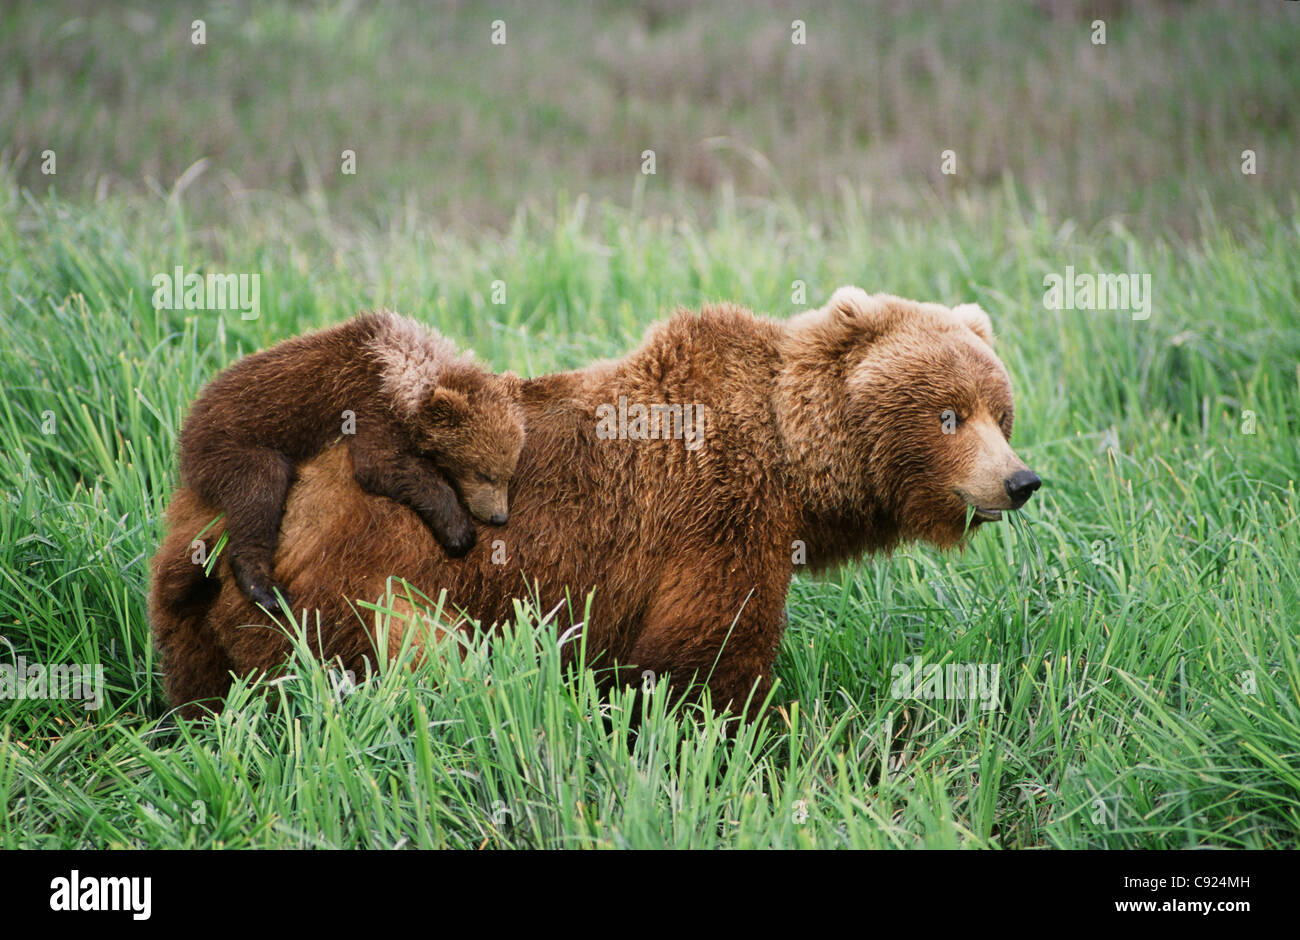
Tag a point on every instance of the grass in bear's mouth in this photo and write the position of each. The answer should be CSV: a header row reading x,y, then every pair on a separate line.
x,y
974,511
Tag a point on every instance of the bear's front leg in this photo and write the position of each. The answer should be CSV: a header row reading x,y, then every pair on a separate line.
x,y
717,624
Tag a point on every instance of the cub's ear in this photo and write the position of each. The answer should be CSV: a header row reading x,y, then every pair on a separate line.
x,y
447,406
976,320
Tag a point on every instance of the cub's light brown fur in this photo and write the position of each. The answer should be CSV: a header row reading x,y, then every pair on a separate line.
x,y
828,430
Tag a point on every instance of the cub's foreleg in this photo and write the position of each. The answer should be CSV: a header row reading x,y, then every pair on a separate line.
x,y
381,465
251,485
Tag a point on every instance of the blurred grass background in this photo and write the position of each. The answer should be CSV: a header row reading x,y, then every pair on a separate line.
x,y
1143,129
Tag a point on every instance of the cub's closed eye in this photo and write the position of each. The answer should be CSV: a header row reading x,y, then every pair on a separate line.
x,y
483,477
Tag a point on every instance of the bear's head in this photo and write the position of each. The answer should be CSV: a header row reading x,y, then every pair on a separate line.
x,y
897,417
472,427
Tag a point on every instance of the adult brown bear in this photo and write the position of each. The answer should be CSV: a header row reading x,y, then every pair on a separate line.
x,y
680,484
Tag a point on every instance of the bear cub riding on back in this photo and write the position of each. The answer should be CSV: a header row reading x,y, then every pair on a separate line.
x,y
417,416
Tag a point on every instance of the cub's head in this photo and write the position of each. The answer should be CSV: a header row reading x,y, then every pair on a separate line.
x,y
902,414
472,427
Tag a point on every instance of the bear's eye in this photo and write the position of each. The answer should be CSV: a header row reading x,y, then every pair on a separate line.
x,y
483,477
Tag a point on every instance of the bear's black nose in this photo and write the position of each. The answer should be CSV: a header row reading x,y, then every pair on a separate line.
x,y
1021,485
499,518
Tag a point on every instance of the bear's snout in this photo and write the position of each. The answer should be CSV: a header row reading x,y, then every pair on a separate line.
x,y
1020,486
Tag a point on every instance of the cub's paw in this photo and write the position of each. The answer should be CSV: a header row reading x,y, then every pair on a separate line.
x,y
258,587
457,536
273,597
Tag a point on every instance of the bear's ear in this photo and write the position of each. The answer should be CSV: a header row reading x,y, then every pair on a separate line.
x,y
976,320
447,407
848,306
852,303
510,382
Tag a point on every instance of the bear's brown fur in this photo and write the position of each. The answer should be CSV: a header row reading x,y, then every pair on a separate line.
x,y
841,431
410,407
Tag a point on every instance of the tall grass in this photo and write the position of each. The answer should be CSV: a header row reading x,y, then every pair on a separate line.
x,y
1140,611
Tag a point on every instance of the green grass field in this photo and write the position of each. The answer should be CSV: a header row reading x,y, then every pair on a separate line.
x,y
1142,609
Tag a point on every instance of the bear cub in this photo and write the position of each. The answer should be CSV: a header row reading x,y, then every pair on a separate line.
x,y
416,416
